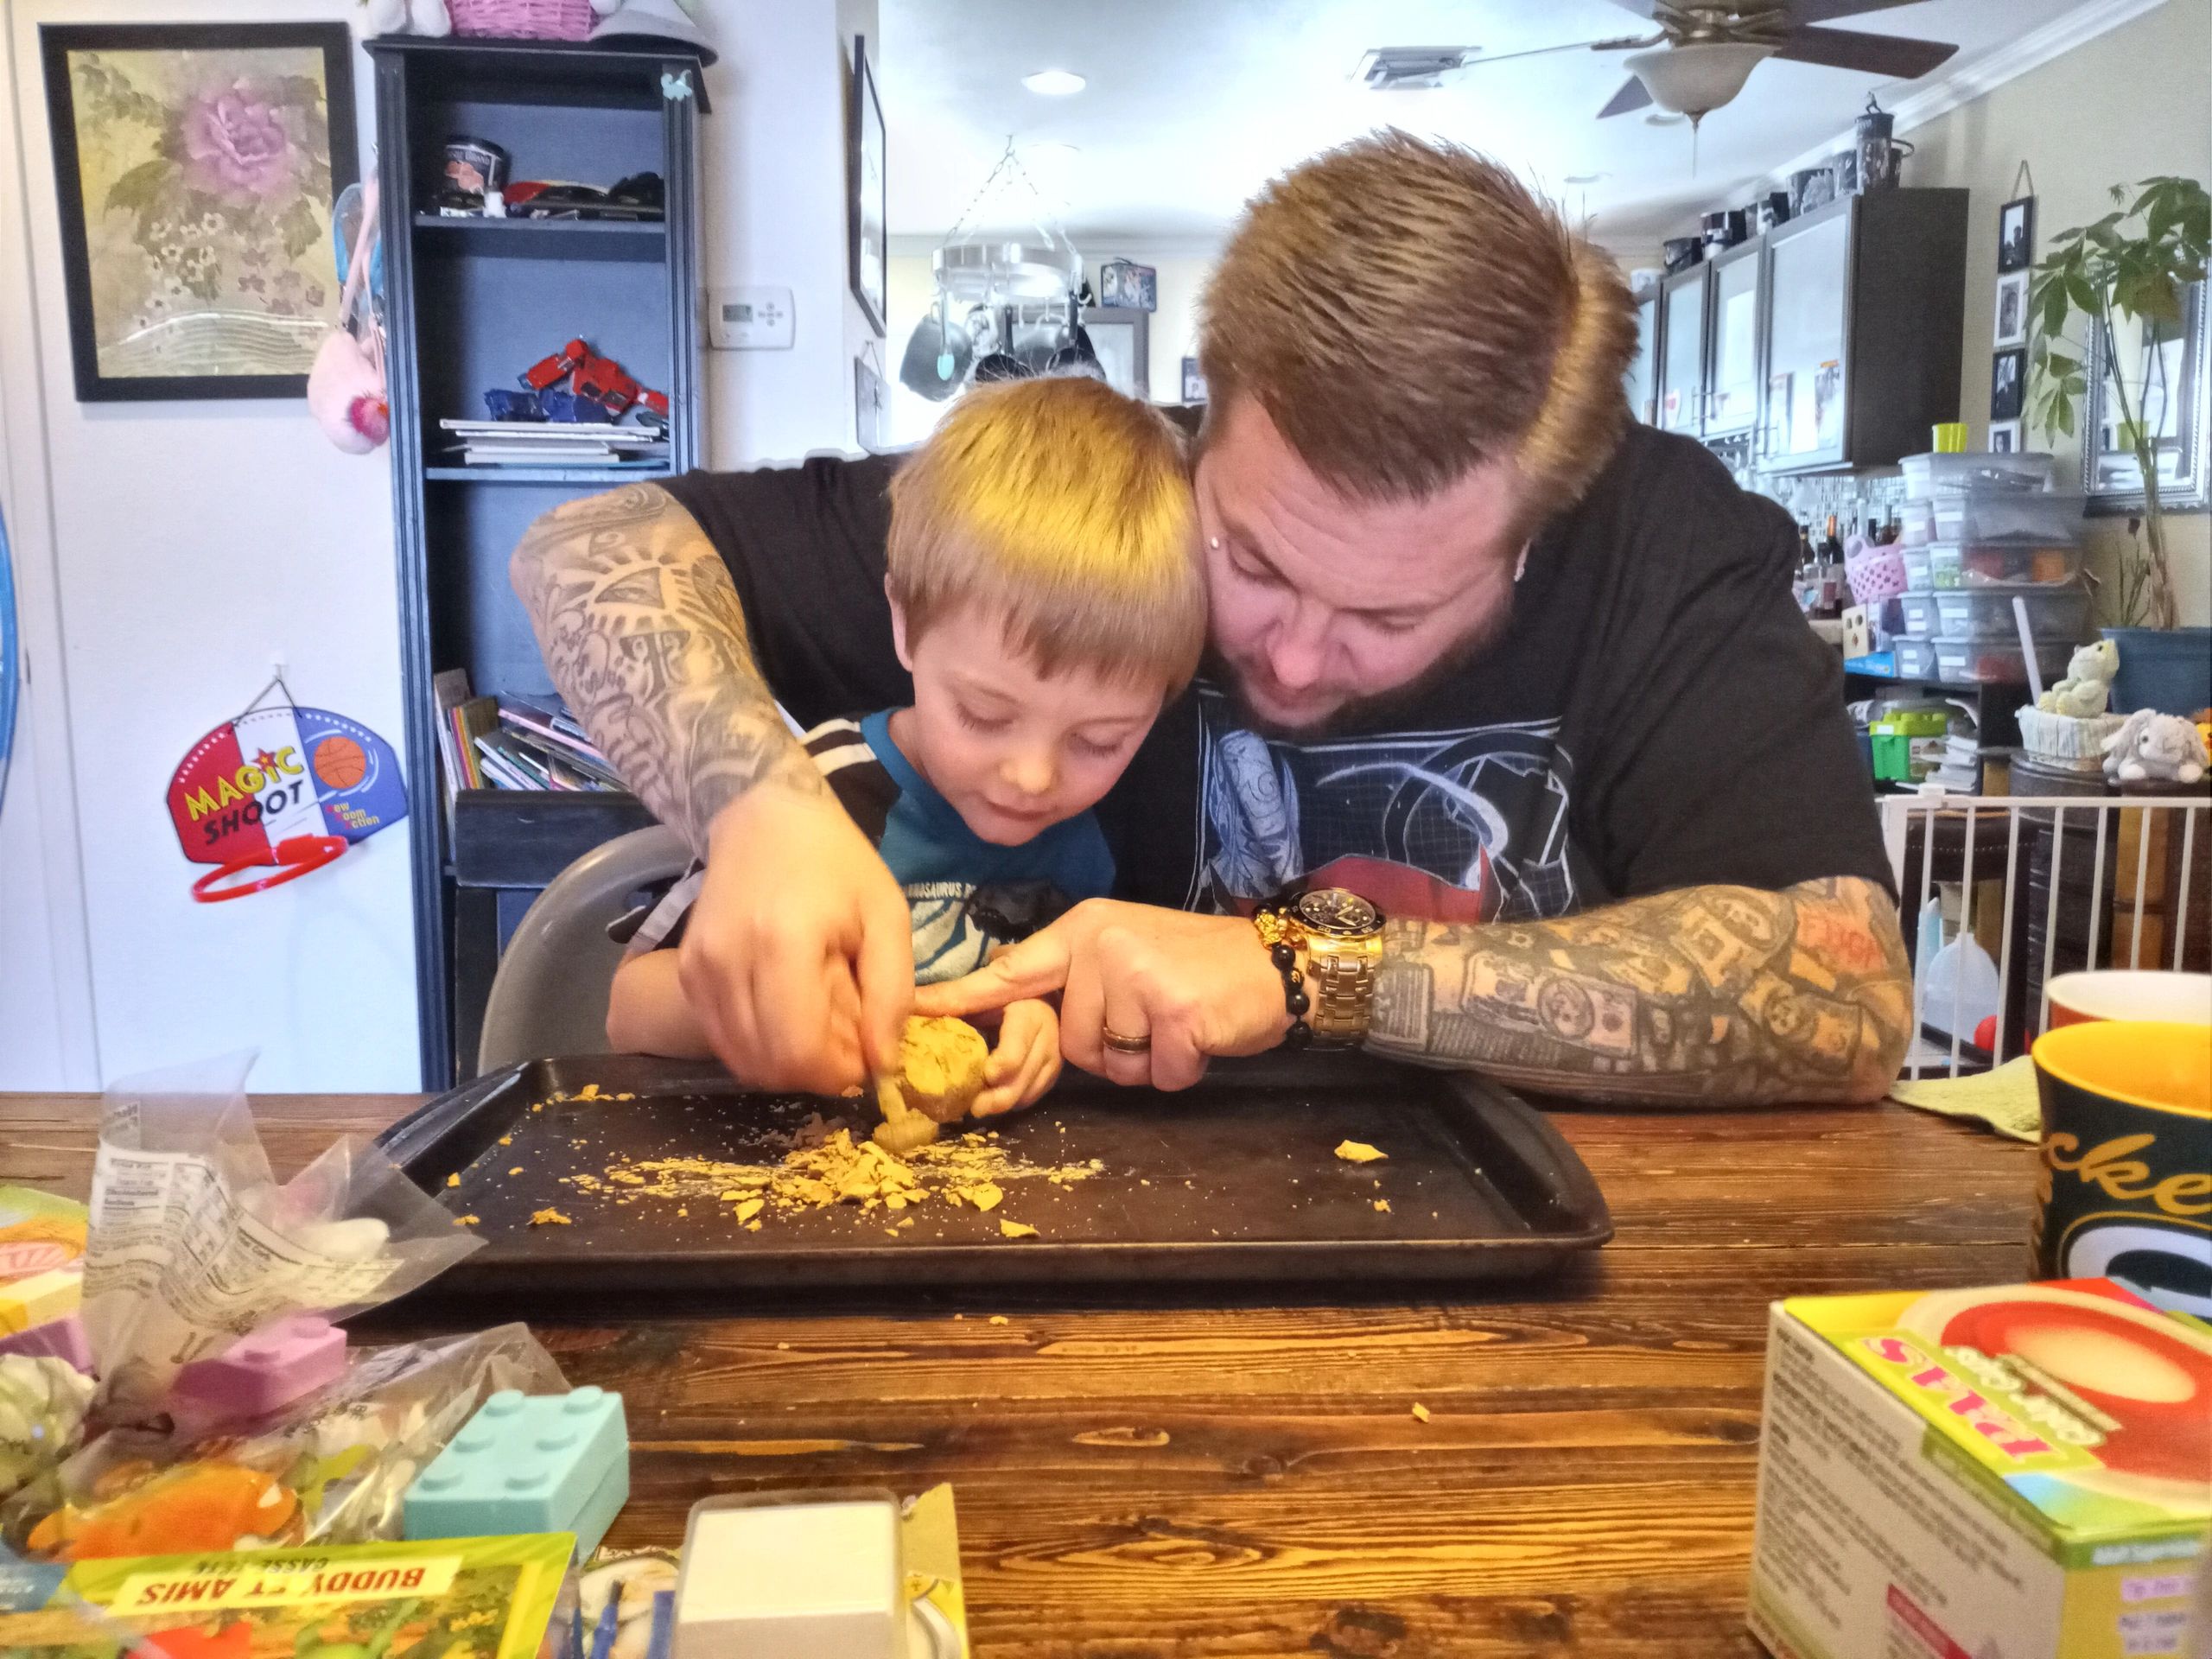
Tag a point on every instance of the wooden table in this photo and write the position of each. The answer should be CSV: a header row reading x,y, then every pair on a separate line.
x,y
1247,1479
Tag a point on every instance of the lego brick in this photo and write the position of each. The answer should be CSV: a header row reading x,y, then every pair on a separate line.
x,y
600,1510
523,1464
284,1361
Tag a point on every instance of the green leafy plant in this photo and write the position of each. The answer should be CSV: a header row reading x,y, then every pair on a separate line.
x,y
2135,262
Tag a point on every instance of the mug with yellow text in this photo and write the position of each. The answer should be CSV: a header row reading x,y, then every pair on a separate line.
x,y
2125,1191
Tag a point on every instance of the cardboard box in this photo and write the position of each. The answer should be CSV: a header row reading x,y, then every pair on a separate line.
x,y
2017,1472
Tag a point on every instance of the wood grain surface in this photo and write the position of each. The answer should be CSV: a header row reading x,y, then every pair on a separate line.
x,y
1241,1476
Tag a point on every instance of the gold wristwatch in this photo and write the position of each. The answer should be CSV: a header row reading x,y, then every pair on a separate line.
x,y
1332,1002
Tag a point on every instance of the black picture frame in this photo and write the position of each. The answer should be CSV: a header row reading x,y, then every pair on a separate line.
x,y
866,177
58,42
2016,234
2008,384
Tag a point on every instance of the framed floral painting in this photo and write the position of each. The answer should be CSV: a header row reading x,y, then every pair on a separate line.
x,y
196,166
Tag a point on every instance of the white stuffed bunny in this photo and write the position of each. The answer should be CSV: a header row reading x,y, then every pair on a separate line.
x,y
2152,745
2087,688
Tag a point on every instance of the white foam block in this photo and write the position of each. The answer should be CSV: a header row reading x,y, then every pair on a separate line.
x,y
792,1581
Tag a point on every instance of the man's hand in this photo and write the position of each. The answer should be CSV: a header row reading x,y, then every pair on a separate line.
x,y
1194,987
797,956
1027,1061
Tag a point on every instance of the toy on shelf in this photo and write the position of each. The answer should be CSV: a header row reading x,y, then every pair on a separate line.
x,y
553,1463
577,384
2150,747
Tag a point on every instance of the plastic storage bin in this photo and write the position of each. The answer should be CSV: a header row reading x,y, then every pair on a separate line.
x,y
1916,524
1915,659
1922,620
1930,477
1983,566
1979,662
2033,520
1919,569
2060,614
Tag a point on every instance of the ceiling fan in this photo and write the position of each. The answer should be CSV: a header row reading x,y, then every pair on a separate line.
x,y
1706,49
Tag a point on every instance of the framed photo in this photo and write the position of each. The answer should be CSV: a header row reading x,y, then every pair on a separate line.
x,y
2005,438
866,215
2016,234
2008,384
195,167
1194,382
2012,309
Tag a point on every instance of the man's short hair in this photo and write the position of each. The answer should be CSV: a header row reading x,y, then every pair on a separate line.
x,y
1064,510
1405,311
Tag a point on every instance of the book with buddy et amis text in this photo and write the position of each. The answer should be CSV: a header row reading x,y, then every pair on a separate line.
x,y
446,1598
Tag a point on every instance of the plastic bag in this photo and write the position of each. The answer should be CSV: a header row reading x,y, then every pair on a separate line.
x,y
42,1404
331,1468
193,1243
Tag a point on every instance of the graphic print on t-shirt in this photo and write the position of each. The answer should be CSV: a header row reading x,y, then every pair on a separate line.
x,y
1469,824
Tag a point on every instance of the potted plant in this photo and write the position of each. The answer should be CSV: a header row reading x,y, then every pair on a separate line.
x,y
2136,263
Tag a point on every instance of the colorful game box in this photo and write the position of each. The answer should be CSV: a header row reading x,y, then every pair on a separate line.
x,y
2024,1470
456,1598
42,1257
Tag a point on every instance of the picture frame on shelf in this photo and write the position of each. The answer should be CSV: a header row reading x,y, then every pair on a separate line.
x,y
866,177
2012,326
1194,381
195,167
2016,234
2005,438
2008,381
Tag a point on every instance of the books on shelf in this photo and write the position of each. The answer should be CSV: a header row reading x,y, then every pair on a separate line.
x,y
514,742
553,443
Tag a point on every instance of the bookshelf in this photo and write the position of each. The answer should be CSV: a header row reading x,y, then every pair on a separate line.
x,y
469,303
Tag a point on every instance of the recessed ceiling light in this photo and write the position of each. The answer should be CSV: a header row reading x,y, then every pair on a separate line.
x,y
1054,83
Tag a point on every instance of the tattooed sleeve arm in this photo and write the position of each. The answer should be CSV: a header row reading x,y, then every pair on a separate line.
x,y
644,636
1708,994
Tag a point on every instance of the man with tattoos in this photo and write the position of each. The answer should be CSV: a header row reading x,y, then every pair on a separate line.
x,y
1487,660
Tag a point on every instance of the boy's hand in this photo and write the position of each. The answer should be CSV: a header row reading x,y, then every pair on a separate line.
x,y
1027,1061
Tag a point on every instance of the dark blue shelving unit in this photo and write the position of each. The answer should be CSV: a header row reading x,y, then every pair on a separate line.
x,y
469,303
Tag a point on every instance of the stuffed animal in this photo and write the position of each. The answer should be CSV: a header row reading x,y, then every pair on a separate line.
x,y
2152,745
409,16
2088,686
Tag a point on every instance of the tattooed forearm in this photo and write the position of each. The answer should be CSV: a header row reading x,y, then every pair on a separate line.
x,y
1710,993
643,635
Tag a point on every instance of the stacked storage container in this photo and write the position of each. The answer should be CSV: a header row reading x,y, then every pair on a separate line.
x,y
1978,532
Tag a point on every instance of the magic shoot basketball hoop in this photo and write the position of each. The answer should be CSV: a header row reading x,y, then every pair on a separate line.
x,y
283,789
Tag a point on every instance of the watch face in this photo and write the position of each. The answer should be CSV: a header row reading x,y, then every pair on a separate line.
x,y
1333,909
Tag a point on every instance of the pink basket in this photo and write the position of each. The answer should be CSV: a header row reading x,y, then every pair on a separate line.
x,y
523,19
1875,574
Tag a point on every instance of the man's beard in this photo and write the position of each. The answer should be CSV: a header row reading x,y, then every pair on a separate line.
x,y
1369,713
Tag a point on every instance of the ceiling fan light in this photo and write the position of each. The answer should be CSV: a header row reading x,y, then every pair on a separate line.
x,y
1692,79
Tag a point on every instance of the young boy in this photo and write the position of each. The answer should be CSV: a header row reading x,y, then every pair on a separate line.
x,y
1047,597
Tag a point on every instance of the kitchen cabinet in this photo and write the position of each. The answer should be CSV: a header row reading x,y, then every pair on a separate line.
x,y
1641,381
1861,323
1731,402
1682,350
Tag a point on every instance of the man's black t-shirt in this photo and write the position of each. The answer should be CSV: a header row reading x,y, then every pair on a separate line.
x,y
1655,715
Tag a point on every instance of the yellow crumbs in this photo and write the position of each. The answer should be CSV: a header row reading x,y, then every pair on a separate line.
x,y
1420,1412
467,1221
453,1180
823,1168
1359,1152
549,1217
1383,1205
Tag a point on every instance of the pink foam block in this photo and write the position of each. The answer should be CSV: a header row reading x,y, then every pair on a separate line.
x,y
256,1373
61,1338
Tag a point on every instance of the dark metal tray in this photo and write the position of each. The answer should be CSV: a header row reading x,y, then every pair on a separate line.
x,y
1235,1180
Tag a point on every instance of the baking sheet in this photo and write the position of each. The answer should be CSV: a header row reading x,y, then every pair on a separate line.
x,y
1235,1180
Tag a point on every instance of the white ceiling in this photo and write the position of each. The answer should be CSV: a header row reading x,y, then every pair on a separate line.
x,y
1191,105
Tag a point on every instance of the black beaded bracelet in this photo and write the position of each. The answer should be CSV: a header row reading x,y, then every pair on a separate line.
x,y
1276,936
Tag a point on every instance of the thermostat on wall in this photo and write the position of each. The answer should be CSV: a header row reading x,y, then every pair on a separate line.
x,y
749,319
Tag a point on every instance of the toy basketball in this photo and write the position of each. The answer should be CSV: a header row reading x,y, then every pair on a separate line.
x,y
339,763
283,789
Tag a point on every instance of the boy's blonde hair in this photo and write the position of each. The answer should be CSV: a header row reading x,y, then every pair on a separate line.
x,y
1065,509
